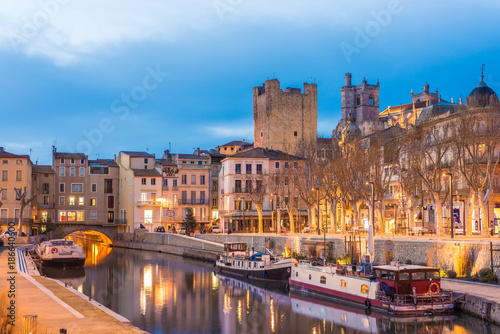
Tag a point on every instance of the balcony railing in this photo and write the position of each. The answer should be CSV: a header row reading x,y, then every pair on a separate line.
x,y
120,221
148,203
187,201
241,190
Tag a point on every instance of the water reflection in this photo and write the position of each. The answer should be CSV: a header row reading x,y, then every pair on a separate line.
x,y
168,294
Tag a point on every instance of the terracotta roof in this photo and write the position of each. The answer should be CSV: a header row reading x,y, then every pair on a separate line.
x,y
104,162
138,154
42,169
238,142
263,153
65,155
4,154
146,172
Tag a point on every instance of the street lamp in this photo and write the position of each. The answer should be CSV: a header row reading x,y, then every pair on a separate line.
x,y
451,203
324,245
273,213
317,209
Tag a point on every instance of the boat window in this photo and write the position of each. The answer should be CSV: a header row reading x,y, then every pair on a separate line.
x,y
364,288
233,263
322,280
418,276
343,284
433,274
377,272
391,276
255,264
309,276
404,276
296,274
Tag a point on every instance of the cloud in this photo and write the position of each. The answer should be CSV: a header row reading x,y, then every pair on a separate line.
x,y
232,131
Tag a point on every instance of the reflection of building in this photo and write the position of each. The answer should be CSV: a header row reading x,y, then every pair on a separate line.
x,y
16,174
140,190
186,184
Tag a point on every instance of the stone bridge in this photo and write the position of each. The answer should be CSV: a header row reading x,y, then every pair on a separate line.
x,y
109,230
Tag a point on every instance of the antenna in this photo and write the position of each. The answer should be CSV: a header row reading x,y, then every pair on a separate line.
x,y
482,73
169,146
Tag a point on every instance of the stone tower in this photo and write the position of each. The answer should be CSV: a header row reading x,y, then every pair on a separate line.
x,y
284,119
362,102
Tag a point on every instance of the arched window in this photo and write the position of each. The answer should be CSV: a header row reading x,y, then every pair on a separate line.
x,y
358,100
372,100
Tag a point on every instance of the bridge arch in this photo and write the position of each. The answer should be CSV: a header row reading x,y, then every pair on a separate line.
x,y
110,232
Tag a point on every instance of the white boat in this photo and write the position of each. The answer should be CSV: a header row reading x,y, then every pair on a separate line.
x,y
61,252
235,260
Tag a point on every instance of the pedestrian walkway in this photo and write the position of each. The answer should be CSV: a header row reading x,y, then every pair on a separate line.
x,y
57,307
490,292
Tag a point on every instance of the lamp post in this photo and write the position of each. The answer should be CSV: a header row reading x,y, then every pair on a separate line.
x,y
451,203
324,244
273,214
372,216
317,210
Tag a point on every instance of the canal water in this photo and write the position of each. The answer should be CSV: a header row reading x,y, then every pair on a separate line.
x,y
163,293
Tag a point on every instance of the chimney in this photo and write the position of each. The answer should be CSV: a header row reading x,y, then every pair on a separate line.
x,y
348,79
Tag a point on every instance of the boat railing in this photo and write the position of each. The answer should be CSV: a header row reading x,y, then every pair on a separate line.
x,y
410,299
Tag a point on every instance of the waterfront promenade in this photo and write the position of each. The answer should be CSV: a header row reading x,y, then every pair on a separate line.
x,y
67,310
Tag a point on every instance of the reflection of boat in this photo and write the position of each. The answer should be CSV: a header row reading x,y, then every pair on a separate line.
x,y
361,322
60,252
396,289
234,260
73,276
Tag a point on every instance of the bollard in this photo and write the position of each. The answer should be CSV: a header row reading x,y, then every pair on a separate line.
x,y
90,299
29,324
63,331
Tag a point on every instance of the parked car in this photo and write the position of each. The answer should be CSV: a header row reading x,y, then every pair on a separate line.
x,y
160,229
216,229
182,230
306,229
7,234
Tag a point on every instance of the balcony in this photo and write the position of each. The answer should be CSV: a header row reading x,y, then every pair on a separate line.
x,y
148,203
241,190
120,222
188,201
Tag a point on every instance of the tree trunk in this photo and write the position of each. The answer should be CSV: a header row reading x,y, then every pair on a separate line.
x,y
20,224
333,216
470,217
259,213
310,217
483,215
439,216
355,215
342,218
278,221
381,219
292,222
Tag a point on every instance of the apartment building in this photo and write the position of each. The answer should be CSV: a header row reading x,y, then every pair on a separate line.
x,y
44,205
140,190
16,174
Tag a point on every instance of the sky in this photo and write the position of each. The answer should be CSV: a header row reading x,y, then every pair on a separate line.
x,y
100,77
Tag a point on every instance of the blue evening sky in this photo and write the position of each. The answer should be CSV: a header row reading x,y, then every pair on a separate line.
x,y
78,74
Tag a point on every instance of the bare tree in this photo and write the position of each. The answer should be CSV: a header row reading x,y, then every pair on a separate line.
x,y
477,140
256,187
25,200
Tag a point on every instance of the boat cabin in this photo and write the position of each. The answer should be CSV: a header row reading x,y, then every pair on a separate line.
x,y
61,242
403,278
233,249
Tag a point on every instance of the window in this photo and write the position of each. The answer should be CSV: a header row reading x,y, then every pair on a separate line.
x,y
371,100
145,160
82,171
259,169
184,197
404,276
5,175
364,288
62,171
93,215
295,133
82,161
72,201
238,168
184,179
111,202
144,197
72,161
248,186
214,202
174,183
322,280
153,197
153,181
193,197
80,200
61,187
111,216
237,186
45,200
193,179
72,171
19,175
19,162
258,186
358,100
248,168
143,181
93,187
417,276
202,197
4,194
62,161
214,186
108,186
93,202
61,200
45,188
277,164
202,179
5,162
62,216
286,164
77,187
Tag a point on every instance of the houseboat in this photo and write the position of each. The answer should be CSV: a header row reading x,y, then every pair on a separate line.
x,y
395,289
235,260
60,252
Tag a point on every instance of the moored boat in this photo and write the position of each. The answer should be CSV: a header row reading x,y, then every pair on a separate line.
x,y
395,289
61,252
236,260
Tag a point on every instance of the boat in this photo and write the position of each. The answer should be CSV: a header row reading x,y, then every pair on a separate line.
x,y
236,260
395,288
60,252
